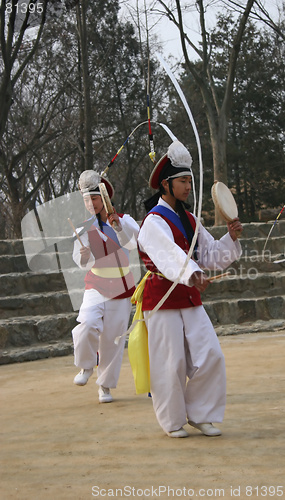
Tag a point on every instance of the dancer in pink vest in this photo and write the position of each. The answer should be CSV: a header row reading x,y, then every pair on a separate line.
x,y
109,284
187,368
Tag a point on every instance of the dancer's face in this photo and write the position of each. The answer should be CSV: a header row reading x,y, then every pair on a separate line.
x,y
93,203
181,187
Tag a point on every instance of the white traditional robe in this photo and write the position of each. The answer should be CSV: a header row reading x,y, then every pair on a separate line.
x,y
102,319
187,367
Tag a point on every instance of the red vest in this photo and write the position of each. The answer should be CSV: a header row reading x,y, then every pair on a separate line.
x,y
156,286
110,275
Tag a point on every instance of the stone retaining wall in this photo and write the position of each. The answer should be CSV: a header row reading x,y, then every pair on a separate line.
x,y
37,311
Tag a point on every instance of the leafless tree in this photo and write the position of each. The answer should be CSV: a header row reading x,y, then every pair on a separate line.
x,y
217,105
12,37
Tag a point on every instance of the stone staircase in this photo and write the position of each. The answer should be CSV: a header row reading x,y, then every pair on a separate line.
x,y
38,307
36,312
253,298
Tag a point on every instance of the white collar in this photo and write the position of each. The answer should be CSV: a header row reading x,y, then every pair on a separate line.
x,y
165,204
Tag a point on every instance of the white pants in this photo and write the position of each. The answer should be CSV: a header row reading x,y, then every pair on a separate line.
x,y
101,321
187,368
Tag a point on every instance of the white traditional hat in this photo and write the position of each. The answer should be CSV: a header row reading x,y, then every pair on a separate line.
x,y
175,163
89,182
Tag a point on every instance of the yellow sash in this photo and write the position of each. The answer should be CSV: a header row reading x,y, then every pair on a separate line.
x,y
110,272
138,342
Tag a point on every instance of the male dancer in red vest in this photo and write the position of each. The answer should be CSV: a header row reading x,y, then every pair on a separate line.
x,y
109,284
187,368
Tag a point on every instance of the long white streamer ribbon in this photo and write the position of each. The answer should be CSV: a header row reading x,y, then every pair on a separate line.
x,y
195,236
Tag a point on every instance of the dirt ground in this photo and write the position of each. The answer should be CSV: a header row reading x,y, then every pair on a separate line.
x,y
58,442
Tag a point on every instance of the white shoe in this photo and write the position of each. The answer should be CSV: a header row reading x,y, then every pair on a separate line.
x,y
104,395
207,429
83,376
180,433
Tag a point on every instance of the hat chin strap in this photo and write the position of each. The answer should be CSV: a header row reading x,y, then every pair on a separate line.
x,y
169,180
99,218
182,214
102,209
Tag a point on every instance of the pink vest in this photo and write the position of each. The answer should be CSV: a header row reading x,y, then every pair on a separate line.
x,y
110,274
156,286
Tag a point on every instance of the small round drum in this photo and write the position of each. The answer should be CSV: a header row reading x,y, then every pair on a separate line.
x,y
224,201
105,198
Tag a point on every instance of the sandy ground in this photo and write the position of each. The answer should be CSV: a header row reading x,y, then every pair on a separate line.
x,y
58,442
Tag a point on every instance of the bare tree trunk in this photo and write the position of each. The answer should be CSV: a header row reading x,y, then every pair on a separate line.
x,y
219,147
81,10
6,92
81,113
10,44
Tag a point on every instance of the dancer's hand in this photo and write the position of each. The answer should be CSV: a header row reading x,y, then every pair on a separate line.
x,y
115,218
200,281
85,253
235,228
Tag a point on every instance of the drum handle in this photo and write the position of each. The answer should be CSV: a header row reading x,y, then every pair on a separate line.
x,y
107,202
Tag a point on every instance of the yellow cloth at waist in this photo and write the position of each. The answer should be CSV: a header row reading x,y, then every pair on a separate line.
x,y
138,341
137,296
110,272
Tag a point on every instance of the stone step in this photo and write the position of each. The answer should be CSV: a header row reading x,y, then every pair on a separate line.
x,y
251,327
38,313
36,351
29,330
46,262
13,258
20,247
12,284
31,282
221,311
253,264
237,311
28,338
254,246
28,282
16,283
250,230
11,247
253,229
252,252
246,286
13,264
35,304
57,301
64,347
